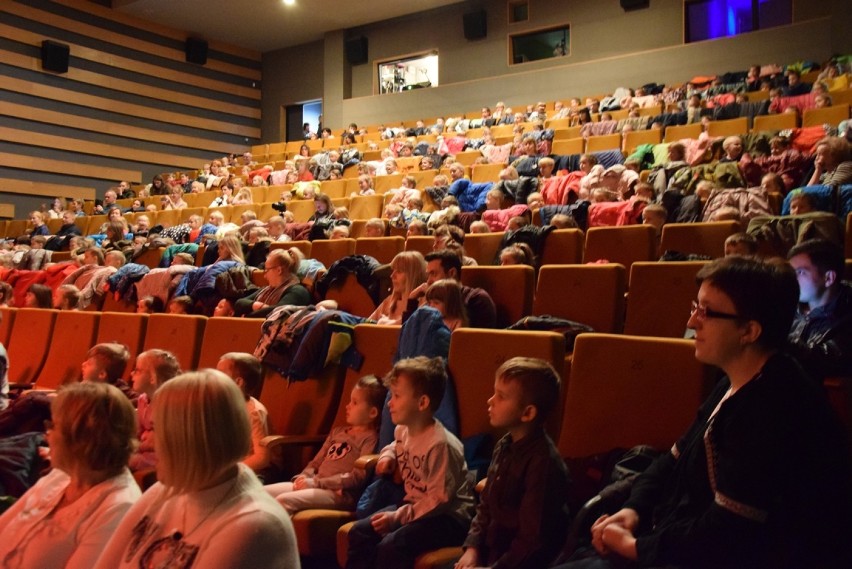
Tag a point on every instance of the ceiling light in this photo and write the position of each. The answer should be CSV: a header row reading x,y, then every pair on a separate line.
x,y
289,2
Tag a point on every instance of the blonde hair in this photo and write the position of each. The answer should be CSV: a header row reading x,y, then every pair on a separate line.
x,y
232,245
290,258
97,424
413,266
202,429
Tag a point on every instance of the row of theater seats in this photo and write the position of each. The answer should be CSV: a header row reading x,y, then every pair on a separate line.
x,y
653,386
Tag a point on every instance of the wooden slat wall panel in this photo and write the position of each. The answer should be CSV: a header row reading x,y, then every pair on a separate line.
x,y
49,190
30,38
130,109
7,211
82,76
115,129
68,168
153,48
30,138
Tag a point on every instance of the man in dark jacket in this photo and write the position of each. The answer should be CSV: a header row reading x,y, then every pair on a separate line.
x,y
821,335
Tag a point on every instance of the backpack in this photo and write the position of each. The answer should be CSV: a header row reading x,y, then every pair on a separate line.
x,y
568,328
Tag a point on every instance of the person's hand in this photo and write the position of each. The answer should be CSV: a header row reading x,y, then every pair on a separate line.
x,y
468,560
256,305
382,522
303,483
385,467
419,291
625,518
620,540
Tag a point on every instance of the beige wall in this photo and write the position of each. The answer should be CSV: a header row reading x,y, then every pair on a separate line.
x,y
290,76
609,48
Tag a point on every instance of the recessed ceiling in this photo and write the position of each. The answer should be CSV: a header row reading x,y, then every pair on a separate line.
x,y
267,25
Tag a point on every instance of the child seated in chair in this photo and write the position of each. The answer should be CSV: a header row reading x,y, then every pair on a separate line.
x,y
438,502
524,503
331,481
246,371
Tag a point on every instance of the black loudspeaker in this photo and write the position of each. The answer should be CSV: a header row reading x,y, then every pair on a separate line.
x,y
356,51
629,5
475,25
54,56
196,51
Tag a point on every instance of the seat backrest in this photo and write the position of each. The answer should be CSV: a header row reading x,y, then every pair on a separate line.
x,y
7,321
302,209
150,258
511,289
486,172
562,247
706,238
590,294
303,246
383,249
351,297
366,207
659,297
848,245
29,342
422,243
781,121
377,346
629,390
73,334
178,333
127,328
302,407
603,142
476,354
678,132
832,116
634,138
729,127
624,245
223,335
93,227
168,217
334,188
387,182
568,146
327,251
483,247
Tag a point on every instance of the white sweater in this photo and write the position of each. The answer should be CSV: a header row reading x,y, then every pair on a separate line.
x,y
233,525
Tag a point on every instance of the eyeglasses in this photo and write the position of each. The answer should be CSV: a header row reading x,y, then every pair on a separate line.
x,y
704,313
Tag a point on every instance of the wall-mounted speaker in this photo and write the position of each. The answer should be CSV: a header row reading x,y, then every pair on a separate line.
x,y
475,25
196,51
356,51
54,56
629,5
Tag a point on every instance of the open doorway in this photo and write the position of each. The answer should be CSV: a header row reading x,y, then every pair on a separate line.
x,y
299,115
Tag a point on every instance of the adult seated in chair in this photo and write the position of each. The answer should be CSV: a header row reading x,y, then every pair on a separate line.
x,y
284,287
821,335
446,264
761,478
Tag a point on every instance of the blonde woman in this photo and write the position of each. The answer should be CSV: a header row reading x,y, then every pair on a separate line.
x,y
208,509
408,271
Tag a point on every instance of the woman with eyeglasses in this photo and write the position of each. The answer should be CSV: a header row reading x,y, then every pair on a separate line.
x,y
761,478
283,285
66,519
